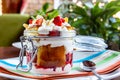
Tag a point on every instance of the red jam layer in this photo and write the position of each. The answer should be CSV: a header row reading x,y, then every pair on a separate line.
x,y
68,57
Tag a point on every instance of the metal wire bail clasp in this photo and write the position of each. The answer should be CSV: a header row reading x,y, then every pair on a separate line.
x,y
32,54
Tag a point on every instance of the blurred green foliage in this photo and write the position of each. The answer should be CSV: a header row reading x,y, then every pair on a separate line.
x,y
94,20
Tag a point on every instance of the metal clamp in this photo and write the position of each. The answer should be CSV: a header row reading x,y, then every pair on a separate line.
x,y
23,51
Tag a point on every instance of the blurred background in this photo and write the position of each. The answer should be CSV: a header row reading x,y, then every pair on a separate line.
x,y
28,6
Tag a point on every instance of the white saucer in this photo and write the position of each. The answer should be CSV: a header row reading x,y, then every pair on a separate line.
x,y
17,44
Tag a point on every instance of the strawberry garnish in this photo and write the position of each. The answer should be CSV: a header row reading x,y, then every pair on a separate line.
x,y
54,33
30,21
62,20
39,21
57,21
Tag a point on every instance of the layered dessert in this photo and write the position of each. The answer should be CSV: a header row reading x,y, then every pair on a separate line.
x,y
54,42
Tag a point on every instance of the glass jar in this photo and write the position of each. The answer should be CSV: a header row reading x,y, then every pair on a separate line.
x,y
47,54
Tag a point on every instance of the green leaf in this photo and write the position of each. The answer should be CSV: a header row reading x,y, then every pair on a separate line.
x,y
96,11
112,4
40,12
109,12
33,17
46,14
80,11
52,14
45,7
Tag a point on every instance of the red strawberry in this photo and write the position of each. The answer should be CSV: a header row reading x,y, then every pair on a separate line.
x,y
54,33
57,21
57,17
28,57
30,21
62,20
39,21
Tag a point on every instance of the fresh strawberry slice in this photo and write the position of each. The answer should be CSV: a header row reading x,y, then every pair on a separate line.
x,y
57,21
39,21
28,57
30,21
54,33
62,20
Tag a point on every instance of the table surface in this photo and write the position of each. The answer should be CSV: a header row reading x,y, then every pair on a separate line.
x,y
9,52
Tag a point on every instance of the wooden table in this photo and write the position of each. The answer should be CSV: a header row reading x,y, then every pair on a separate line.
x,y
8,52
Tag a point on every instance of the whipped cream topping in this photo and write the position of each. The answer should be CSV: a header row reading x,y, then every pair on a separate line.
x,y
57,24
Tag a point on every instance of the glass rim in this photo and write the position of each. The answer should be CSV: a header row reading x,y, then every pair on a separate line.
x,y
46,36
35,37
